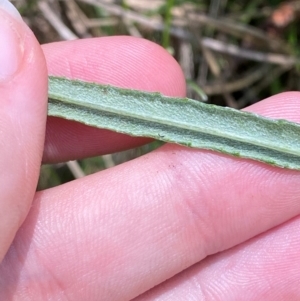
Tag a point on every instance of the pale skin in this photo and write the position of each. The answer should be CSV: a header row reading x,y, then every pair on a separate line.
x,y
193,224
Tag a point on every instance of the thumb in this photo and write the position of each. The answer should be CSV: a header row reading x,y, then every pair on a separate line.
x,y
23,106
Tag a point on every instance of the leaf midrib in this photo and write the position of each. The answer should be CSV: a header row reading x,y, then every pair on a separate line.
x,y
150,119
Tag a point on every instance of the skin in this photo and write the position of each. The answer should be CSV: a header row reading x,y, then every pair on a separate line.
x,y
176,224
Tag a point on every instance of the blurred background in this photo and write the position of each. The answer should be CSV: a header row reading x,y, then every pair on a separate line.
x,y
233,53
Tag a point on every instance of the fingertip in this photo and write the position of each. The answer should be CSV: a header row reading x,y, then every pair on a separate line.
x,y
285,105
122,61
150,67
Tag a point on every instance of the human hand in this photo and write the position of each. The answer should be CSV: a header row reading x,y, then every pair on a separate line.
x,y
116,234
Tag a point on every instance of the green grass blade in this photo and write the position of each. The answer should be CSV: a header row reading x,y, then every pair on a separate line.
x,y
183,121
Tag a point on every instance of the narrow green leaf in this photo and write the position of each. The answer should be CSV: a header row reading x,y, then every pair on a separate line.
x,y
183,121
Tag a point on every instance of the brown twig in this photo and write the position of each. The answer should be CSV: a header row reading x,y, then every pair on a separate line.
x,y
64,32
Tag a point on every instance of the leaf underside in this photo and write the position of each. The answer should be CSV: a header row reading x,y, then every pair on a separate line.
x,y
176,120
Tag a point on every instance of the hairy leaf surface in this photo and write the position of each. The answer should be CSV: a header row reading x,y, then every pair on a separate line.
x,y
177,120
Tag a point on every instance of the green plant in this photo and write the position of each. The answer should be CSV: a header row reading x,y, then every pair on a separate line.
x,y
183,121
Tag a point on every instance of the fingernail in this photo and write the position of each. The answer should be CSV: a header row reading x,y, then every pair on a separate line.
x,y
11,50
9,8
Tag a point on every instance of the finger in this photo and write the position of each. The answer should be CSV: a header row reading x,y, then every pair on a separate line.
x,y
272,107
125,62
264,268
23,90
140,223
